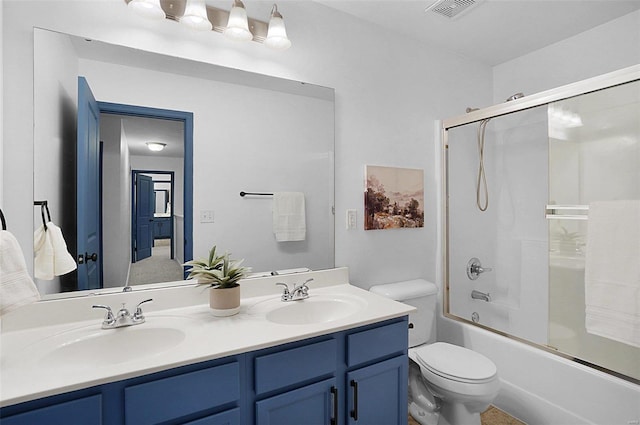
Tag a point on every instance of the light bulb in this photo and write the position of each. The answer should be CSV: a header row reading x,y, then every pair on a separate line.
x,y
148,8
195,16
277,33
238,25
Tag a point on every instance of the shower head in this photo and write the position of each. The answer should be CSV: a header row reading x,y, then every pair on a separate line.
x,y
514,97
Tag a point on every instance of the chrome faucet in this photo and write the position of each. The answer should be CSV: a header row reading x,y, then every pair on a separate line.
x,y
299,292
123,317
484,296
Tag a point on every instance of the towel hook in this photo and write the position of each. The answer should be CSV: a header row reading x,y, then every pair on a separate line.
x,y
4,222
44,205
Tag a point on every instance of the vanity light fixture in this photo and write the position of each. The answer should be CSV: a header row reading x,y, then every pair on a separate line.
x,y
195,16
156,146
234,24
277,33
148,8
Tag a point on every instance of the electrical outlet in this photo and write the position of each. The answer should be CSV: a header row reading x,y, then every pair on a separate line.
x,y
351,219
206,216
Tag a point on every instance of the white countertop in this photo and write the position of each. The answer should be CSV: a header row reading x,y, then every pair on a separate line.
x,y
26,374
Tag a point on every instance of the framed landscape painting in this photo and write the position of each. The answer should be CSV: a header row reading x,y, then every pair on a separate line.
x,y
393,198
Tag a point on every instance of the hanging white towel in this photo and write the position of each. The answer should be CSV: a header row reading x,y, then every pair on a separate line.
x,y
51,255
16,286
289,216
63,262
43,249
612,271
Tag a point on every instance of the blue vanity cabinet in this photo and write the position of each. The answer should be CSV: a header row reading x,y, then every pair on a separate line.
x,y
161,227
356,376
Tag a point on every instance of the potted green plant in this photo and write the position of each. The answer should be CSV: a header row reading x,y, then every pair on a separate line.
x,y
222,275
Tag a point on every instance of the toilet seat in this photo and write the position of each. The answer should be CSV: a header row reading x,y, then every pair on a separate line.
x,y
454,363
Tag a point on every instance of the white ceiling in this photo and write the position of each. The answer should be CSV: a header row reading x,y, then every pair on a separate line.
x,y
492,31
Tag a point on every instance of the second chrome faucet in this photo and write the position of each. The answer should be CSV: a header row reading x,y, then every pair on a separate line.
x,y
299,292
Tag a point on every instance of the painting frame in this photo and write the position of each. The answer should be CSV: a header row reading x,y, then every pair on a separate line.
x,y
393,198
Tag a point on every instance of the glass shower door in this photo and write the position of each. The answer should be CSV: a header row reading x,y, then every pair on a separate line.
x,y
593,217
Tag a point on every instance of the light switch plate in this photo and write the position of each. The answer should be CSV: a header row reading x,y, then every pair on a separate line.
x,y
352,219
206,216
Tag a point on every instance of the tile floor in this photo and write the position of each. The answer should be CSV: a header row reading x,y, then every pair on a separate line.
x,y
492,416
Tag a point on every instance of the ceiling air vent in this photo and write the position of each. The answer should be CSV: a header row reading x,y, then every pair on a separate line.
x,y
452,8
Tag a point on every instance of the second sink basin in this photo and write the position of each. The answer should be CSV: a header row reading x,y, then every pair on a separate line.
x,y
313,310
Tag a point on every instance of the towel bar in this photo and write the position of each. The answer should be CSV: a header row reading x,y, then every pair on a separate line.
x,y
43,205
552,212
243,193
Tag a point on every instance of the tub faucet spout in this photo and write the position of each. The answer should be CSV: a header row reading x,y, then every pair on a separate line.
x,y
484,296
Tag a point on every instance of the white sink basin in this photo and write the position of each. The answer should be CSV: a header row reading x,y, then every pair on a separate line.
x,y
313,310
93,347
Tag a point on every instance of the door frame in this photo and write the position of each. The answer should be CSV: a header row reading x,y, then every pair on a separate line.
x,y
187,119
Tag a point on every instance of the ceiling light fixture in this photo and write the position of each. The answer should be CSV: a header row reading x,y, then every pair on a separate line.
x,y
156,146
148,8
234,24
277,33
195,16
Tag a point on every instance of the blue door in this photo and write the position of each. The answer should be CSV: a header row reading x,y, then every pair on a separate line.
x,y
88,189
144,208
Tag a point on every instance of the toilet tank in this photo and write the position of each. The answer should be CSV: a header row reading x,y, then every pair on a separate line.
x,y
420,294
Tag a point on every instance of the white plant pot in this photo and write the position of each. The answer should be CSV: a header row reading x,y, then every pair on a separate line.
x,y
224,301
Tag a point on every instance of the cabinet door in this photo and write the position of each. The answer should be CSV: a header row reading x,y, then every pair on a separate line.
x,y
311,405
377,394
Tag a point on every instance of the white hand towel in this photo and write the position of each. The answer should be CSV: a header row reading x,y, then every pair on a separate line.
x,y
612,271
43,262
289,216
16,287
63,262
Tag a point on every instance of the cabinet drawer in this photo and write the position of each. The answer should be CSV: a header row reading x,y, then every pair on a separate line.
x,y
177,396
86,410
377,343
278,370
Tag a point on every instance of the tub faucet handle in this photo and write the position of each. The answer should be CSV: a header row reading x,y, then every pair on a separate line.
x,y
474,269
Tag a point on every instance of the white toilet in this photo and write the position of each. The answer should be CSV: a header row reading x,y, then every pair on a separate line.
x,y
463,382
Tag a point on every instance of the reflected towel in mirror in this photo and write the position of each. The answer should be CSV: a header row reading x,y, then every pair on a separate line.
x,y
52,257
289,216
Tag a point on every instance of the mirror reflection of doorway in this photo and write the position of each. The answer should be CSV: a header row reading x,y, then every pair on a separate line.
x,y
153,235
167,173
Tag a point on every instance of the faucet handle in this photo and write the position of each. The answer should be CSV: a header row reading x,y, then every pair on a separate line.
x,y
138,316
109,319
286,295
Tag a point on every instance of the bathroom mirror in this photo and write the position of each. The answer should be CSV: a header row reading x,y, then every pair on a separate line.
x,y
521,267
250,132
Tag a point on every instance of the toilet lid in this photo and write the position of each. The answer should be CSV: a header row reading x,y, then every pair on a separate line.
x,y
455,362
